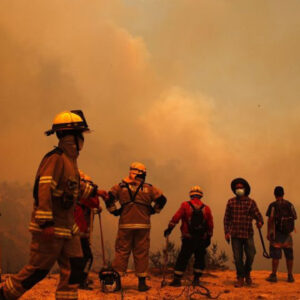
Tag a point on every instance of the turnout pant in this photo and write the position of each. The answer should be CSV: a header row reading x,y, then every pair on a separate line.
x,y
239,246
137,241
80,266
189,247
43,255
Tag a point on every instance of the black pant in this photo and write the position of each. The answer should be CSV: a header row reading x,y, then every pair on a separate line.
x,y
191,246
80,266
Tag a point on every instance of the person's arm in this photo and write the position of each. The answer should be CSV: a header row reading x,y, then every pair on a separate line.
x,y
257,215
47,181
175,219
111,200
227,221
159,200
271,222
294,212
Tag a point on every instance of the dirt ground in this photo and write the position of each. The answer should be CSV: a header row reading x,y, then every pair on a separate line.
x,y
217,282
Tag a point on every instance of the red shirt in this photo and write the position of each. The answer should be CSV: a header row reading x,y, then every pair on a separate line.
x,y
82,212
184,213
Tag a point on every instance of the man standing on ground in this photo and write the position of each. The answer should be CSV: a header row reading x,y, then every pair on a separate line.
x,y
197,230
282,216
138,200
239,214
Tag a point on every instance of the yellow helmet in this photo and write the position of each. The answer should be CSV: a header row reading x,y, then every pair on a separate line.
x,y
137,169
196,191
69,120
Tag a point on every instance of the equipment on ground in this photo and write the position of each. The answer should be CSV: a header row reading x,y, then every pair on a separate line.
x,y
110,279
265,253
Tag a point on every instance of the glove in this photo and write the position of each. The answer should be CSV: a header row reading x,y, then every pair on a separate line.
x,y
103,194
48,233
117,212
207,241
168,231
152,210
259,225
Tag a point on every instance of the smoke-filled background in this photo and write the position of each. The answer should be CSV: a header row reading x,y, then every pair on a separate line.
x,y
200,91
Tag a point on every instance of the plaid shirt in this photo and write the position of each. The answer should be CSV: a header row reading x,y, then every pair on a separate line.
x,y
239,215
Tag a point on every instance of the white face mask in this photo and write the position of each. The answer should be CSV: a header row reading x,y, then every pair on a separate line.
x,y
240,192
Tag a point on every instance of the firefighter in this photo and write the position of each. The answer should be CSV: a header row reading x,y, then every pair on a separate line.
x,y
54,232
196,230
84,215
138,201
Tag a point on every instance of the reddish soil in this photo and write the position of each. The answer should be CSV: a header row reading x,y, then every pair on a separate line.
x,y
216,281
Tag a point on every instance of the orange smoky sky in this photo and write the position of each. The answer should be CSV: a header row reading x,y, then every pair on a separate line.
x,y
200,91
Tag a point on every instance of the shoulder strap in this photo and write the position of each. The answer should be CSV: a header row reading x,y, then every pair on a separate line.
x,y
194,208
133,196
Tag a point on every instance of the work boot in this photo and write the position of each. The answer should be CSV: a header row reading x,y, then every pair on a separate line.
x,y
290,278
239,283
143,287
176,281
85,286
272,278
248,280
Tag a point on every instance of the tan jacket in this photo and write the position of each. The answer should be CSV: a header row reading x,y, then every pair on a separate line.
x,y
134,215
56,190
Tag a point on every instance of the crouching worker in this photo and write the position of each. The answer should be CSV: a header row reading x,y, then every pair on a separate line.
x,y
56,190
281,224
138,200
239,214
84,216
197,230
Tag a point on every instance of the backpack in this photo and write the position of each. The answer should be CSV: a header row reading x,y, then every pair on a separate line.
x,y
197,222
284,217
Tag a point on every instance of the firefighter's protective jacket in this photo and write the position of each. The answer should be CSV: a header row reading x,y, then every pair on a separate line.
x,y
135,214
56,190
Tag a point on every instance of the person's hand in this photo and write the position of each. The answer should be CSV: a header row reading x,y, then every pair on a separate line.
x,y
117,212
259,224
103,194
48,233
168,231
227,237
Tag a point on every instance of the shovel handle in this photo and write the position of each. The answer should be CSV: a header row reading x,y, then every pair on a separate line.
x,y
102,240
265,253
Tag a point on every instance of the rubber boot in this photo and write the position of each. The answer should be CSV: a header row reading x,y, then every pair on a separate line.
x,y
143,287
2,297
196,280
176,281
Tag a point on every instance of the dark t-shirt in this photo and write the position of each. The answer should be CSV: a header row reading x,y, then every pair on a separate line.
x,y
271,209
281,240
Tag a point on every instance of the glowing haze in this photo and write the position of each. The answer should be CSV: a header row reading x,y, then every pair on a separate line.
x,y
200,91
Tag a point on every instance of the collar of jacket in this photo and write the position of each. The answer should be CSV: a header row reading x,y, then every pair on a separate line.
x,y
131,181
68,145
